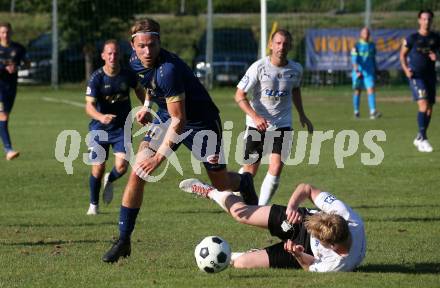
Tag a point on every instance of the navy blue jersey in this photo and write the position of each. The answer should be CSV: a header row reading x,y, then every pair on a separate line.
x,y
419,48
112,96
14,53
172,80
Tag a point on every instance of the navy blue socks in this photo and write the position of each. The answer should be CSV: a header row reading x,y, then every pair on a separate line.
x,y
114,175
95,187
4,134
127,220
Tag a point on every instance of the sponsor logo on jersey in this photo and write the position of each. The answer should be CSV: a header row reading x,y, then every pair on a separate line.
x,y
329,199
88,90
275,93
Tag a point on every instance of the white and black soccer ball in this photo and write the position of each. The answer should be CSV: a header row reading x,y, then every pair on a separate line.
x,y
212,254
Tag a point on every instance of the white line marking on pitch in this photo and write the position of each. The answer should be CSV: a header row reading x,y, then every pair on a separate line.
x,y
68,102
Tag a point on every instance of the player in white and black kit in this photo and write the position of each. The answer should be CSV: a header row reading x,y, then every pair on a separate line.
x,y
329,240
275,84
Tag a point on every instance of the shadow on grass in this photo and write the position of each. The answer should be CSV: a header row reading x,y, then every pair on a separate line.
x,y
53,242
403,219
197,211
31,225
417,268
391,206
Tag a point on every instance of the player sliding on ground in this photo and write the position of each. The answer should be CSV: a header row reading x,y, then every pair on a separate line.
x,y
332,239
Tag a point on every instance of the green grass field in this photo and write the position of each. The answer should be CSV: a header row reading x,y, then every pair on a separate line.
x,y
46,240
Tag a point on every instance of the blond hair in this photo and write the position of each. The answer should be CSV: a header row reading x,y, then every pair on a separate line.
x,y
328,228
145,25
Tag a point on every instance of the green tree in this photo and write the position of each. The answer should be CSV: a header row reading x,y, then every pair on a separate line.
x,y
86,22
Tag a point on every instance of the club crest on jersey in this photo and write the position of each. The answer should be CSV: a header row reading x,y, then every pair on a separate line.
x,y
123,86
244,80
329,199
213,159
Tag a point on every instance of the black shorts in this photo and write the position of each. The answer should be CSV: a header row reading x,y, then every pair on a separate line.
x,y
256,148
278,257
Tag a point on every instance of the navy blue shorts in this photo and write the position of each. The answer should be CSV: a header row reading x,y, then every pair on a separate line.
x,y
423,89
7,97
203,138
115,139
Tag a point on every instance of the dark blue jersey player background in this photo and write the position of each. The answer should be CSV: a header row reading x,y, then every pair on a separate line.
x,y
108,104
417,56
12,55
188,108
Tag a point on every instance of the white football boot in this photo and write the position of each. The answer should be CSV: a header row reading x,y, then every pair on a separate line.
x,y
424,146
93,209
417,141
195,186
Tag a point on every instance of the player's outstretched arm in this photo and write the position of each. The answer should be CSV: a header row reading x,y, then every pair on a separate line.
x,y
143,116
297,101
93,113
243,103
302,192
178,119
304,259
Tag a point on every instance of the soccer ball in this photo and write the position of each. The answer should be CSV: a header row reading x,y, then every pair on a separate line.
x,y
212,254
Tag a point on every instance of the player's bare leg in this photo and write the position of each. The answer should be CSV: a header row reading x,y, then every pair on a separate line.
x,y
251,168
249,260
232,181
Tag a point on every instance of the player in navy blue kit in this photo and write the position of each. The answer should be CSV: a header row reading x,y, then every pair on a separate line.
x,y
108,104
184,102
417,56
12,55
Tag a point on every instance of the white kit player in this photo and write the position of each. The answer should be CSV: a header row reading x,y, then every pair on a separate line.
x,y
329,239
275,82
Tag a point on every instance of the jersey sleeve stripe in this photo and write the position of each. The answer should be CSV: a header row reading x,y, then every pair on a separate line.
x,y
90,99
175,98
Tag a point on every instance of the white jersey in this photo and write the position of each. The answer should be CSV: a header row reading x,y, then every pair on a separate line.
x,y
272,91
326,260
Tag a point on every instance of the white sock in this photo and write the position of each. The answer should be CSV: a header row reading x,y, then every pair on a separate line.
x,y
268,188
220,198
241,170
234,256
